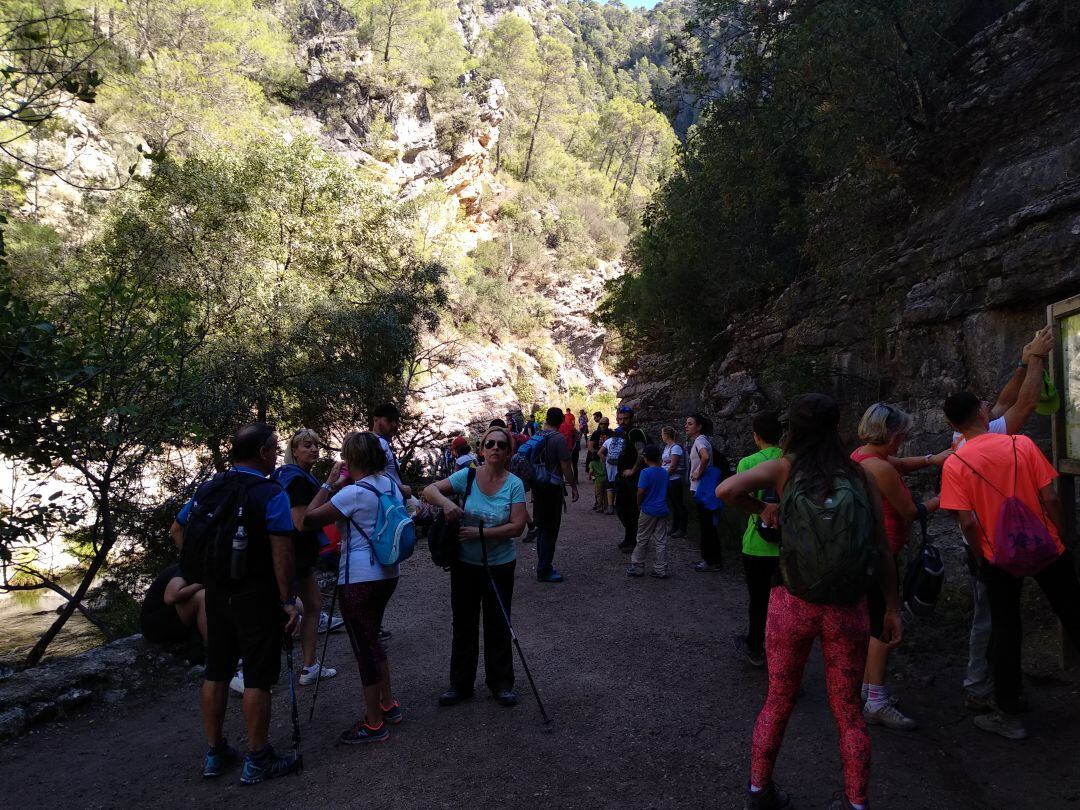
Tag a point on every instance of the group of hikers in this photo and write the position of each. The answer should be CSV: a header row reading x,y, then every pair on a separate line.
x,y
820,552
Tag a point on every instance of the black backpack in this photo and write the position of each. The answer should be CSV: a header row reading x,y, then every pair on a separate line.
x,y
925,576
443,541
216,518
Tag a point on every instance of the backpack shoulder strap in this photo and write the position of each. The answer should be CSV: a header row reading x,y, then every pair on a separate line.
x,y
468,486
979,475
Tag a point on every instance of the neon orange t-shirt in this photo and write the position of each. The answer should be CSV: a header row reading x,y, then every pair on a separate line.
x,y
992,456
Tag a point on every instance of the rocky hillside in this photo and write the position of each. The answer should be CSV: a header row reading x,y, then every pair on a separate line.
x,y
951,299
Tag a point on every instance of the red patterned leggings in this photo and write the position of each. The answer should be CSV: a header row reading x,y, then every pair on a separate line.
x,y
792,626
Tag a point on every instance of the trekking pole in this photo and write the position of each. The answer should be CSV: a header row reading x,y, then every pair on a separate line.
x,y
295,713
326,642
510,627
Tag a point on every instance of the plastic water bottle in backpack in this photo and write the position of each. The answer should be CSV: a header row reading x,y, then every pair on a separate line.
x,y
238,561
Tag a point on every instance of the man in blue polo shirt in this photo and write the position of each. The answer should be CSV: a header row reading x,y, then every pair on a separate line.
x,y
247,617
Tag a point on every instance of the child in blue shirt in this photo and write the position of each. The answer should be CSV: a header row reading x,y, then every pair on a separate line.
x,y
652,525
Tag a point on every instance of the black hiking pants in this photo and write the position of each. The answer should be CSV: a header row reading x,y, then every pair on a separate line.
x,y
710,539
626,507
470,593
759,581
1059,583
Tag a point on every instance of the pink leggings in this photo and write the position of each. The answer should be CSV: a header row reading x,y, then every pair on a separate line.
x,y
792,626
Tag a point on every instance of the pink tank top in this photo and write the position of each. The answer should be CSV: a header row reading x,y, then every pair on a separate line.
x,y
896,528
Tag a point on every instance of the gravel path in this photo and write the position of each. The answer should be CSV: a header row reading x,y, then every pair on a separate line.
x,y
651,709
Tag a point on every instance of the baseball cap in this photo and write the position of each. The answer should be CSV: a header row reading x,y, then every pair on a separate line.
x,y
459,442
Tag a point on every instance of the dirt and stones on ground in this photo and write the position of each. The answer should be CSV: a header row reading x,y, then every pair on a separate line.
x,y
651,708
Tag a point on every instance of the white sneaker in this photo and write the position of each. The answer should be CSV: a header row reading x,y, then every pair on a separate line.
x,y
888,716
325,623
237,682
1008,726
308,675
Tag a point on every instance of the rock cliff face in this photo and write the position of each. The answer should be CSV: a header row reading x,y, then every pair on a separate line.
x,y
951,300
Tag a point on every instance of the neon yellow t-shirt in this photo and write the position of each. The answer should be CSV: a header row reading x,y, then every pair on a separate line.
x,y
753,544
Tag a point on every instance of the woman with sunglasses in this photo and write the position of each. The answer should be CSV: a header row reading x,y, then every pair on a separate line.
x,y
497,501
883,429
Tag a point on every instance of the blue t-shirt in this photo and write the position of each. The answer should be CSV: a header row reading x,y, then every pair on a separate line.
x,y
278,513
654,480
493,510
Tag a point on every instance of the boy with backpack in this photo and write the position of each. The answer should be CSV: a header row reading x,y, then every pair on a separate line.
x,y
598,474
652,487
1002,490
543,464
760,544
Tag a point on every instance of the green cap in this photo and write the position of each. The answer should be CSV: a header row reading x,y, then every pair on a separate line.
x,y
1049,399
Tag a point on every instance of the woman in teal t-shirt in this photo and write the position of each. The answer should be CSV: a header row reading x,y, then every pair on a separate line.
x,y
496,500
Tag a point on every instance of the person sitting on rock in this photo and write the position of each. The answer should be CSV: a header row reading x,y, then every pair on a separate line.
x,y
173,608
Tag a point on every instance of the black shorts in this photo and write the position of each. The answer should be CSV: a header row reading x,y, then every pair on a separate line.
x,y
164,626
306,553
246,624
875,600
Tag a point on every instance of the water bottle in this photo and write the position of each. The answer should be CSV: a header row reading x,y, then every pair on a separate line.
x,y
238,561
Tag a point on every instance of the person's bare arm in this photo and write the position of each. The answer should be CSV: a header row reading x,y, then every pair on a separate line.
x,y
907,464
640,496
437,494
1027,398
569,478
892,488
738,490
893,627
969,527
1052,504
703,456
281,550
176,532
672,465
519,516
178,590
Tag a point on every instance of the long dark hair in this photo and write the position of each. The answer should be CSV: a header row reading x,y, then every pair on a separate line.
x,y
812,442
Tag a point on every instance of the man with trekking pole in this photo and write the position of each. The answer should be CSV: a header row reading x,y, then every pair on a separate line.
x,y
237,538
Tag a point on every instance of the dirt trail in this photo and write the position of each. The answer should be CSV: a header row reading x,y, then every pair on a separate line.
x,y
651,708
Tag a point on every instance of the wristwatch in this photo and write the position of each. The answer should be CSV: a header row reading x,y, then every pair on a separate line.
x,y
327,487
929,459
1022,365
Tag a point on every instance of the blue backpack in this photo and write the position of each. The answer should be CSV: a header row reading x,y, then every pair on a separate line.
x,y
528,462
394,536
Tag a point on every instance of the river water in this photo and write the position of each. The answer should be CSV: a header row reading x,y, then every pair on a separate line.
x,y
25,615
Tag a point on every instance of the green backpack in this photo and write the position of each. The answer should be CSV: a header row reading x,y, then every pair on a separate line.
x,y
828,551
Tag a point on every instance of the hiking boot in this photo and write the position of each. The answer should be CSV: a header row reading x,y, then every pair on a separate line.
x,y
326,625
703,567
755,658
454,696
768,798
888,716
979,703
657,575
840,802
262,765
634,571
361,732
308,675
610,510
530,536
626,548
506,698
1007,725
677,533
384,634
554,576
392,715
237,682
218,759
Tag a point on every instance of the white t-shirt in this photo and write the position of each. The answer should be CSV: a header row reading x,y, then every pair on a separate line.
x,y
391,461
679,454
996,426
700,443
360,506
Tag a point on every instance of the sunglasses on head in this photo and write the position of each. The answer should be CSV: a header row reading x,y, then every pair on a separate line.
x,y
491,444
